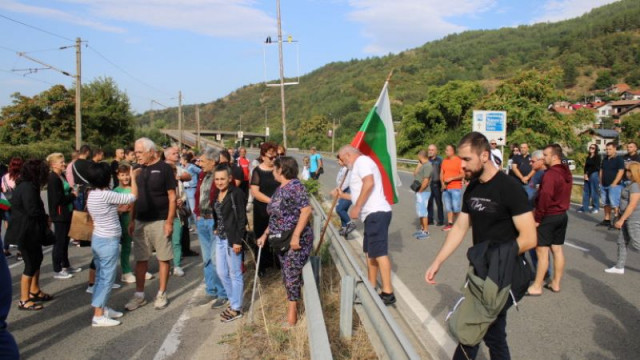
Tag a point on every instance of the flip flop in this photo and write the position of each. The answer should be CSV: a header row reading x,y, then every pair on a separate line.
x,y
548,287
530,294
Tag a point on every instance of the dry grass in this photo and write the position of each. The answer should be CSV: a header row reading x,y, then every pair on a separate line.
x,y
265,338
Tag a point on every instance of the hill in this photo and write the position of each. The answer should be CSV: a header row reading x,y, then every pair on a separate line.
x,y
596,49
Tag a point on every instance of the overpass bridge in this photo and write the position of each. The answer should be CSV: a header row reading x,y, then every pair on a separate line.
x,y
189,137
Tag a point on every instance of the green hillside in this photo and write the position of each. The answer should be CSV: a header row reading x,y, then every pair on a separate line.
x,y
577,55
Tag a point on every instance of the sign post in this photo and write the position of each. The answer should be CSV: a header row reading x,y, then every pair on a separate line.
x,y
492,124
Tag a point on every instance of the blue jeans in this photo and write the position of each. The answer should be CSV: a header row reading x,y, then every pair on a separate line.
x,y
191,200
591,192
422,200
229,268
343,209
106,251
452,200
212,282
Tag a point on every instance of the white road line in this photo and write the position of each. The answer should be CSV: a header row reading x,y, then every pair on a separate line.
x,y
172,341
576,246
430,323
45,251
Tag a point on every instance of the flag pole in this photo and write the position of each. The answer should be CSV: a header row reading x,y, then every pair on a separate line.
x,y
333,206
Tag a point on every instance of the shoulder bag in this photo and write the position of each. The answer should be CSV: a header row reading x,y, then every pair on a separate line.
x,y
81,225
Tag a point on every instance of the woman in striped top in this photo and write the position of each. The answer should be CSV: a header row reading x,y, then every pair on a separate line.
x,y
102,205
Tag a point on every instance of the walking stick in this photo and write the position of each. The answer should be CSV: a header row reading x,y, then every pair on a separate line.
x,y
255,282
333,205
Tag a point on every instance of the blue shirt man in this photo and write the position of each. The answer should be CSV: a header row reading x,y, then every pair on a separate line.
x,y
315,165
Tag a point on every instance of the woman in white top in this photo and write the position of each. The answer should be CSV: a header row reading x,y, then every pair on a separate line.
x,y
102,205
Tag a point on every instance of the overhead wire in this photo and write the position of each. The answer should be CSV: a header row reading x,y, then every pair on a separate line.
x,y
36,28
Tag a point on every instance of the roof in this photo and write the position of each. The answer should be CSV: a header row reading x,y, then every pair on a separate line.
x,y
620,87
633,92
624,102
598,104
606,133
561,110
628,110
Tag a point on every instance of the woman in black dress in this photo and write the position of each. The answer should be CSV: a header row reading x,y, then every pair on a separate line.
x,y
27,229
263,185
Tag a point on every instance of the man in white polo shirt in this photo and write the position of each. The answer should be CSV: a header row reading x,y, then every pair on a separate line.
x,y
370,204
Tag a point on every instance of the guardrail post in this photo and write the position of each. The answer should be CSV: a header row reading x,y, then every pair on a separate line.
x,y
317,228
347,293
319,347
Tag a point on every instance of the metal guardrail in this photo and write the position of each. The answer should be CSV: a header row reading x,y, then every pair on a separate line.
x,y
319,347
394,342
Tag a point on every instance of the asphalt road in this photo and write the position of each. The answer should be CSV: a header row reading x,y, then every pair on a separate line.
x,y
595,316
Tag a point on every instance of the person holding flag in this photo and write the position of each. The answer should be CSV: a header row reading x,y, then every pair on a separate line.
x,y
371,159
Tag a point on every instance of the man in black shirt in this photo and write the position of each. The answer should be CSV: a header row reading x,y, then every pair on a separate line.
x,y
495,207
436,186
152,220
521,165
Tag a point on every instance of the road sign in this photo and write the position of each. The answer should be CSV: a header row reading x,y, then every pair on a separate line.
x,y
240,134
492,124
218,137
266,131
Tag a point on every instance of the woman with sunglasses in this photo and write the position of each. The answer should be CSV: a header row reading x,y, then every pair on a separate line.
x,y
629,221
591,188
263,185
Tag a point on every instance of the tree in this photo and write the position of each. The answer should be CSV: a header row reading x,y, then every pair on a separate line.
x,y
630,127
604,80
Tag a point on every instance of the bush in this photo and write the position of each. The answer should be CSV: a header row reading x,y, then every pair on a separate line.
x,y
312,186
38,150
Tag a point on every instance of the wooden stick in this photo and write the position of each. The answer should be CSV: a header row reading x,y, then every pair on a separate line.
x,y
389,76
333,205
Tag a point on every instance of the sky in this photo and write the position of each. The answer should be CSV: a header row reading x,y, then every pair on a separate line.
x,y
206,49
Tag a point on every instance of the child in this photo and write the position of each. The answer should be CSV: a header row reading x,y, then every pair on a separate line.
x,y
306,175
124,212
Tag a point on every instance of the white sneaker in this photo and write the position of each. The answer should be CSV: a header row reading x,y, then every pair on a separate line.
x,y
90,289
177,271
161,301
62,275
73,270
128,278
135,303
116,286
104,321
614,270
112,314
148,276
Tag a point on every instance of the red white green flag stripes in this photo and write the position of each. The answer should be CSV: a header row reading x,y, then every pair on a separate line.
x,y
376,139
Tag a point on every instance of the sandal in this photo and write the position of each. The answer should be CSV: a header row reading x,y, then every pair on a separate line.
x,y
230,315
40,296
228,312
22,305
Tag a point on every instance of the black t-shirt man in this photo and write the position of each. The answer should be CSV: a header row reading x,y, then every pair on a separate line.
x,y
81,169
154,181
524,165
491,206
610,168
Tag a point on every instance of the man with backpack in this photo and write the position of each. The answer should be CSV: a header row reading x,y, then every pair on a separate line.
x,y
495,207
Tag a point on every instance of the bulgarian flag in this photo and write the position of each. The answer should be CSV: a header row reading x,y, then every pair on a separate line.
x,y
4,203
376,139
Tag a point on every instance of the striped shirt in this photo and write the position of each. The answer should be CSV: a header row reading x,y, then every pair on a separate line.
x,y
103,208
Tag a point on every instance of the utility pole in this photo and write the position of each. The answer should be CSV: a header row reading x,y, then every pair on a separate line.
x,y
198,126
266,126
180,140
284,121
333,136
78,97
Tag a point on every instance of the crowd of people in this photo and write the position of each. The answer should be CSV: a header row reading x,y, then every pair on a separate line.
x,y
146,203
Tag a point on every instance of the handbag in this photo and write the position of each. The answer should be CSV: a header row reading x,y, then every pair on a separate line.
x,y
415,185
81,226
281,242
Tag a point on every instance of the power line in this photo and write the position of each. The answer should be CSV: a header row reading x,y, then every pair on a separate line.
x,y
36,28
28,77
124,71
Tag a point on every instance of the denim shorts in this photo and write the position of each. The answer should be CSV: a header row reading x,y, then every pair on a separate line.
x,y
610,195
376,234
451,199
422,200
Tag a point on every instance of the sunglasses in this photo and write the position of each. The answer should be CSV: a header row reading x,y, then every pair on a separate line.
x,y
592,148
270,157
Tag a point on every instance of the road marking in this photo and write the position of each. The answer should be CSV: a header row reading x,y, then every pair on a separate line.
x,y
428,321
45,251
576,246
172,341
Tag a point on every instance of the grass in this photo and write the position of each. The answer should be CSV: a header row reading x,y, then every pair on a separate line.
x,y
266,339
